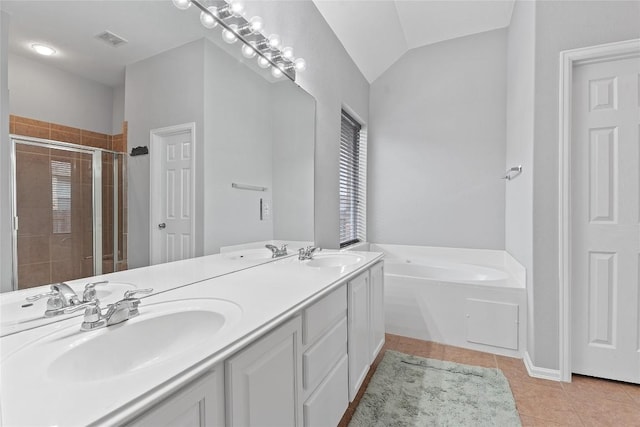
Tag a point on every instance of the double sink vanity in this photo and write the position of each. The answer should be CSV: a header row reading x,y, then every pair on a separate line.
x,y
234,339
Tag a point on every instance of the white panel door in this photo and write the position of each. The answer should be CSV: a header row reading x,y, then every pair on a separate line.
x,y
605,242
172,196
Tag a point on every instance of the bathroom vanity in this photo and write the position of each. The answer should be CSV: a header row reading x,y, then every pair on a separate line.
x,y
287,342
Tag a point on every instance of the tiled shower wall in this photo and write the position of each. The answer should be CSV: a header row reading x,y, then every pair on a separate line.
x,y
46,255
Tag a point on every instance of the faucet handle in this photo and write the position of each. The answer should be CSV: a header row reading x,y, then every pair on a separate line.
x,y
88,304
130,294
89,293
51,293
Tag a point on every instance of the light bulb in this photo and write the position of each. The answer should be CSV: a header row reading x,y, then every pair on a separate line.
x,y
300,64
263,62
229,36
42,49
274,41
256,24
276,72
207,20
287,53
182,4
248,51
236,7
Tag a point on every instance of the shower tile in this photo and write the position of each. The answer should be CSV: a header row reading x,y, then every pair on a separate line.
x,y
32,131
28,121
34,221
65,270
33,173
25,148
65,134
30,275
118,143
62,247
87,267
87,244
94,139
33,249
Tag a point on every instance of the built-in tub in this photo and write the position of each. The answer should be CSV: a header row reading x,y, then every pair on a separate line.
x,y
463,297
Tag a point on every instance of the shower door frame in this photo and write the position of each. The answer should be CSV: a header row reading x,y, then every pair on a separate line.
x,y
96,194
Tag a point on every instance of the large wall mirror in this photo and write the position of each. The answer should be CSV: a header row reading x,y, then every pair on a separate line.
x,y
245,139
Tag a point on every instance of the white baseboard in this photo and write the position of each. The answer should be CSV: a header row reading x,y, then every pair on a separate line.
x,y
537,372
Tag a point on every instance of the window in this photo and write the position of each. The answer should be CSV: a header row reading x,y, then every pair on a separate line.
x,y
353,186
61,196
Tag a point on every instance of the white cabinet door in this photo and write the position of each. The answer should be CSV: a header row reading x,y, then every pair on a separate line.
x,y
264,381
358,345
198,404
376,289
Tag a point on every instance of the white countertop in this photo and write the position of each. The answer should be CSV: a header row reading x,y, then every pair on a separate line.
x,y
160,277
267,295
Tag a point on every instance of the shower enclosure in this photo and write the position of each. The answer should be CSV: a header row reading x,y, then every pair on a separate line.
x,y
69,211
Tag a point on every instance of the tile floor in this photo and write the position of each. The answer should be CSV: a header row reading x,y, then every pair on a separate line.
x,y
584,402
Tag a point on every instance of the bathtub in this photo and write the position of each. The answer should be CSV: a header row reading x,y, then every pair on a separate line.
x,y
462,297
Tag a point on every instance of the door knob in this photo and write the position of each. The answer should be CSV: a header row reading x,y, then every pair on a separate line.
x,y
162,226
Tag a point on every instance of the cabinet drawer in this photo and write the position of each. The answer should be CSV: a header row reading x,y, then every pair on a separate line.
x,y
324,354
327,404
323,314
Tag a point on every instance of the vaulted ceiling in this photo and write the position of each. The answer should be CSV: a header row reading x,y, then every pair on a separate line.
x,y
376,33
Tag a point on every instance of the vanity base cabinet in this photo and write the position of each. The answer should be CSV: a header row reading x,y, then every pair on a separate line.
x,y
328,402
376,283
199,404
324,360
263,381
358,332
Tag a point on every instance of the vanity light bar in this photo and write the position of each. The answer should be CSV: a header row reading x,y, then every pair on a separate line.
x,y
269,50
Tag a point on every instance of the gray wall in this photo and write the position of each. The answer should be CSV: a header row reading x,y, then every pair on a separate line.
x,y
5,170
161,93
520,103
237,148
333,80
437,146
117,109
47,93
560,25
293,118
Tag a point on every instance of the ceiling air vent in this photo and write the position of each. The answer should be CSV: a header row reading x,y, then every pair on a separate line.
x,y
111,39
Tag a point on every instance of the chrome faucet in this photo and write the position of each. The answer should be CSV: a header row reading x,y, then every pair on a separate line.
x,y
61,296
117,312
277,252
307,253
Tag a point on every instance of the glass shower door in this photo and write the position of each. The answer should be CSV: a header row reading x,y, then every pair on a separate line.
x,y
54,204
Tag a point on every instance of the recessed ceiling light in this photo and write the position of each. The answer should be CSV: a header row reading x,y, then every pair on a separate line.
x,y
42,49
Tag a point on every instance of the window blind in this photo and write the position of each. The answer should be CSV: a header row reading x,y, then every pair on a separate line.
x,y
352,181
61,196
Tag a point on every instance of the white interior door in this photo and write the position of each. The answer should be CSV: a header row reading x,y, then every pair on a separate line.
x,y
605,231
172,204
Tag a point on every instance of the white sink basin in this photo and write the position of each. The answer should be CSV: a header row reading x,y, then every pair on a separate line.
x,y
162,333
15,310
333,260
